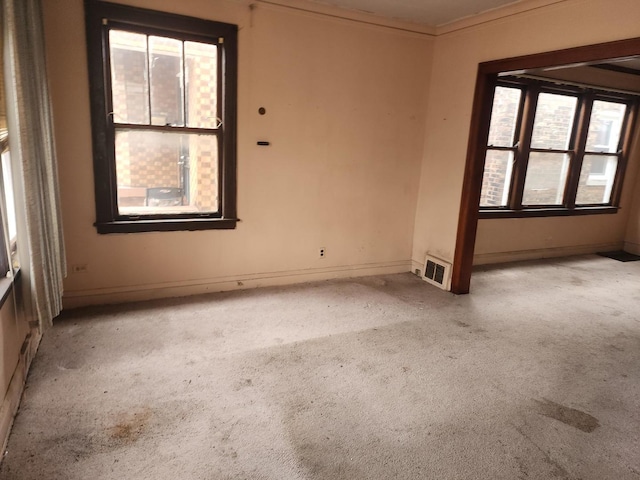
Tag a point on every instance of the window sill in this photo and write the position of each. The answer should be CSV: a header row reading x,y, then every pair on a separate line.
x,y
547,212
166,225
6,284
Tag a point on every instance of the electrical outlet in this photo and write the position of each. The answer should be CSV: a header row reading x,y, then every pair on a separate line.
x,y
80,268
322,252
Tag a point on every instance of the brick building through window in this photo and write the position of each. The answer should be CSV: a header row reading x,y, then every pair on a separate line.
x,y
164,119
553,148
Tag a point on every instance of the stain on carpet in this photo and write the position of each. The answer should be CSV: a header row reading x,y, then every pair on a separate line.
x,y
130,426
242,383
570,416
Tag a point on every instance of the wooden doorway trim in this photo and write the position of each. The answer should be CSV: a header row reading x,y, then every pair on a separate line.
x,y
479,133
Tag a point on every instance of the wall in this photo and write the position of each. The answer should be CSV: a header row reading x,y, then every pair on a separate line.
x,y
12,334
17,347
459,48
632,233
345,104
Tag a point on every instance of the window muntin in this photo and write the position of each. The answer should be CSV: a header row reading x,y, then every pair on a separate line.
x,y
567,154
168,110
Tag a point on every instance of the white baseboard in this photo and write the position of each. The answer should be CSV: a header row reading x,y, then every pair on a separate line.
x,y
123,294
13,395
518,255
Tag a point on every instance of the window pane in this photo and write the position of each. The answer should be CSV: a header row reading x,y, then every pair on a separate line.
x,y
605,126
546,178
553,122
596,179
7,177
201,62
129,77
165,64
504,114
496,179
161,172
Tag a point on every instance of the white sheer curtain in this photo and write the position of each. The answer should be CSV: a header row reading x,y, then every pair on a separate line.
x,y
40,239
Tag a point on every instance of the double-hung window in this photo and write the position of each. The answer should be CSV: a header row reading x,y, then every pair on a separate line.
x,y
554,150
163,98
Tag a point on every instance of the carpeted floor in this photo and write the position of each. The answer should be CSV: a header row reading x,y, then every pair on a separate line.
x,y
535,375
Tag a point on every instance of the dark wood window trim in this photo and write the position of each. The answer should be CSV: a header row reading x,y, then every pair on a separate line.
x,y
7,284
98,17
479,134
531,90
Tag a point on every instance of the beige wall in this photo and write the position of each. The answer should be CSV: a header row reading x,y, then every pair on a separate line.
x,y
358,164
456,57
632,234
346,105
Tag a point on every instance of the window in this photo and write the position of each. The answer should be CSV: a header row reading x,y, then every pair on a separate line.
x,y
554,150
163,99
5,267
9,203
8,228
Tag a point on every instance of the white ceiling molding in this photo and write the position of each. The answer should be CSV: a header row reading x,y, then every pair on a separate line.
x,y
430,17
514,8
343,13
432,13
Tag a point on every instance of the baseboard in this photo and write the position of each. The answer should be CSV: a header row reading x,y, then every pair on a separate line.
x,y
124,294
13,396
415,265
632,247
515,256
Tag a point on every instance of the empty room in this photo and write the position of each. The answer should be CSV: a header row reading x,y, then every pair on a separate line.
x,y
342,239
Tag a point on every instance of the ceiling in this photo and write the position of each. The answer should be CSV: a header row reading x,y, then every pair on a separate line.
x,y
431,13
630,65
616,75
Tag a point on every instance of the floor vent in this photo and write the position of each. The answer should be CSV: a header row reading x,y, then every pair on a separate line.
x,y
437,272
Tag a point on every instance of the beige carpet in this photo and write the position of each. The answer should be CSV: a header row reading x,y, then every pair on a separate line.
x,y
535,375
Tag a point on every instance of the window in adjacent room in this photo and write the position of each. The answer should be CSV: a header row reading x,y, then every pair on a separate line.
x,y
554,150
163,97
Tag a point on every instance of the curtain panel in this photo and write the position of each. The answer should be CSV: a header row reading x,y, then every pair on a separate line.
x,y
31,143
